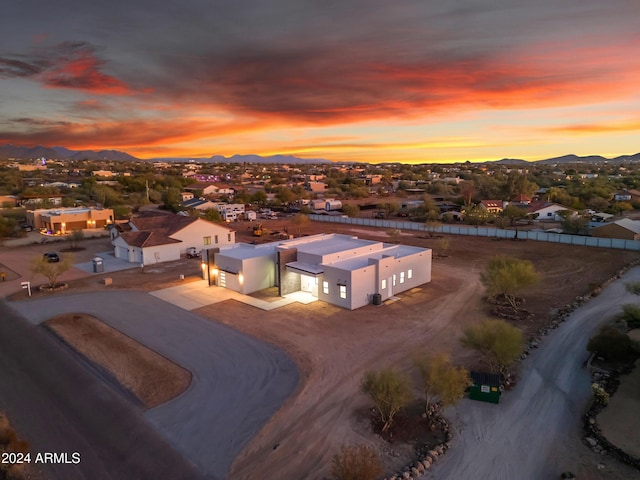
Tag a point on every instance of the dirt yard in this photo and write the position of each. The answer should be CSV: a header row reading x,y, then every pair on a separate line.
x,y
334,347
152,378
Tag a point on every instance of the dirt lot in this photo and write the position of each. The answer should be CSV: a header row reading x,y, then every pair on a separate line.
x,y
152,378
334,347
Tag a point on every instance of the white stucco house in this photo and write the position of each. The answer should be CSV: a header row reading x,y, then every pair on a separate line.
x,y
148,240
339,269
548,211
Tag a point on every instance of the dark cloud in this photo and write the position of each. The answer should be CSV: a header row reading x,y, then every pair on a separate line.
x,y
72,65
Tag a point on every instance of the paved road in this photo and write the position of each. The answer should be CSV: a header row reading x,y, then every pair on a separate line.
x,y
60,406
528,434
238,382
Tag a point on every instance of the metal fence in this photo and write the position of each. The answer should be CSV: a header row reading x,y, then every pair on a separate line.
x,y
484,232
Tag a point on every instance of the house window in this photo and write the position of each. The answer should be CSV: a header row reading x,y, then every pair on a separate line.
x,y
229,237
222,279
343,291
549,214
383,284
325,288
216,239
206,240
409,273
401,277
394,280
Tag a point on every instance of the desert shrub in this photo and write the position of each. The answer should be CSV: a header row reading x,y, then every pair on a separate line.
x,y
633,287
499,342
356,463
600,395
631,315
613,345
390,392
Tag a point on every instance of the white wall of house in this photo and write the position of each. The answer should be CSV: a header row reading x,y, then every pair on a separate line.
x,y
550,213
161,253
200,232
258,273
121,249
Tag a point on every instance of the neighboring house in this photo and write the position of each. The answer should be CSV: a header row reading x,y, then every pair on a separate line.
x,y
64,220
153,239
600,217
103,173
199,204
624,228
8,201
521,199
623,196
541,211
186,196
339,269
317,187
492,206
205,188
30,201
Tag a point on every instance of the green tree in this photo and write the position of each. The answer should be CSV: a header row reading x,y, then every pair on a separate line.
x,y
213,215
171,199
390,392
441,380
574,224
507,276
499,342
513,213
351,210
51,270
356,463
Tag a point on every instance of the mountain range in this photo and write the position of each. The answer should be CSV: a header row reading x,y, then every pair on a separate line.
x,y
9,151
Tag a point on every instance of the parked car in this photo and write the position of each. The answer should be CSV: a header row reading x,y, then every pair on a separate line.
x,y
193,253
26,227
52,257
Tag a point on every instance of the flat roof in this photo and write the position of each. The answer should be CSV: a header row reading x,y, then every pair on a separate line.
x,y
243,251
361,261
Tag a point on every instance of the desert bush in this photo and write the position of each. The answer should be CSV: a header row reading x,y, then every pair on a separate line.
x,y
356,463
633,287
390,392
631,315
508,276
498,341
613,345
600,395
442,381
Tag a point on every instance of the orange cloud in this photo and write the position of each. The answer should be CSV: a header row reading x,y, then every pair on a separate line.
x,y
66,65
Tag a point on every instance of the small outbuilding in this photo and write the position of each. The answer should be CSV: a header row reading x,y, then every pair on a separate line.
x,y
486,387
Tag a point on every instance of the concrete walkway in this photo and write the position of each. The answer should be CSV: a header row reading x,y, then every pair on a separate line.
x,y
238,381
194,295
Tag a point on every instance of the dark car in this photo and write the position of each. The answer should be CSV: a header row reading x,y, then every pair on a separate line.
x,y
51,257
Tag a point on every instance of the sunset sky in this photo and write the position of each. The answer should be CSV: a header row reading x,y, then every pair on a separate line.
x,y
410,81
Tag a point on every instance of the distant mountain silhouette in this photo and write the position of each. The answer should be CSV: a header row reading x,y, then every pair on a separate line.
x,y
62,153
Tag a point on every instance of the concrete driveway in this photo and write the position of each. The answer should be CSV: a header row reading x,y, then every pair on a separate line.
x,y
238,382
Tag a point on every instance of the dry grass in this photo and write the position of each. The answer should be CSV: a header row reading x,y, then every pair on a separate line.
x,y
151,377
